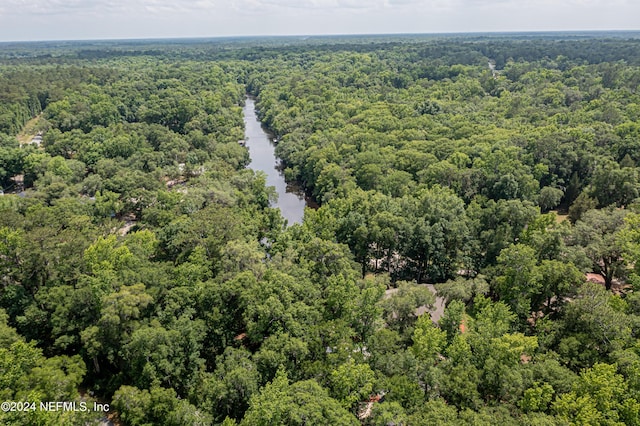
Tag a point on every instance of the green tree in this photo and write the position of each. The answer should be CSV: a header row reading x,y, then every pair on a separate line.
x,y
518,279
614,185
557,281
536,398
428,340
437,233
401,306
582,204
352,383
629,239
461,377
119,317
169,357
598,323
600,396
463,289
299,403
158,406
496,225
595,236
226,392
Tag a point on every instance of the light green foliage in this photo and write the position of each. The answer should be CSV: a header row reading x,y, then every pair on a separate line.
x,y
518,280
11,241
387,354
403,391
557,280
453,318
195,270
577,410
603,384
352,383
526,284
435,412
278,303
367,309
386,413
295,404
491,320
536,398
11,158
497,353
108,203
158,406
546,236
59,167
600,396
281,350
428,340
503,378
461,377
550,371
428,343
8,335
118,320
103,255
613,185
170,357
237,256
438,231
27,375
496,225
629,238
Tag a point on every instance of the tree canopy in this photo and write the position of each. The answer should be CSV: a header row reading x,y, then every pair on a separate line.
x,y
471,257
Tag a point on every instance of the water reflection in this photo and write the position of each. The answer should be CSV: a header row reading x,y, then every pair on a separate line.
x,y
291,198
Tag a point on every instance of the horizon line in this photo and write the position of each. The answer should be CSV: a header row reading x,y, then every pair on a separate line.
x,y
332,35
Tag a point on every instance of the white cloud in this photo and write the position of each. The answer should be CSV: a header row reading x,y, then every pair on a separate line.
x,y
52,7
358,4
55,7
55,19
276,5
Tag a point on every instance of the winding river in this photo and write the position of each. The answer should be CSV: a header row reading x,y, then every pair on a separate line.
x,y
291,198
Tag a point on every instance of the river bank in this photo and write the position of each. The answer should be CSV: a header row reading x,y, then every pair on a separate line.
x,y
260,142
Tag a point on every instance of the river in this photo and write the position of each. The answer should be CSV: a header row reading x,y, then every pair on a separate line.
x,y
291,198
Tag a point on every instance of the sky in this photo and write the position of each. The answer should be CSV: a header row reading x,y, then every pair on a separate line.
x,y
31,20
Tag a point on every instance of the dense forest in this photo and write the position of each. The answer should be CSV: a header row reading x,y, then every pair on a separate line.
x,y
145,266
